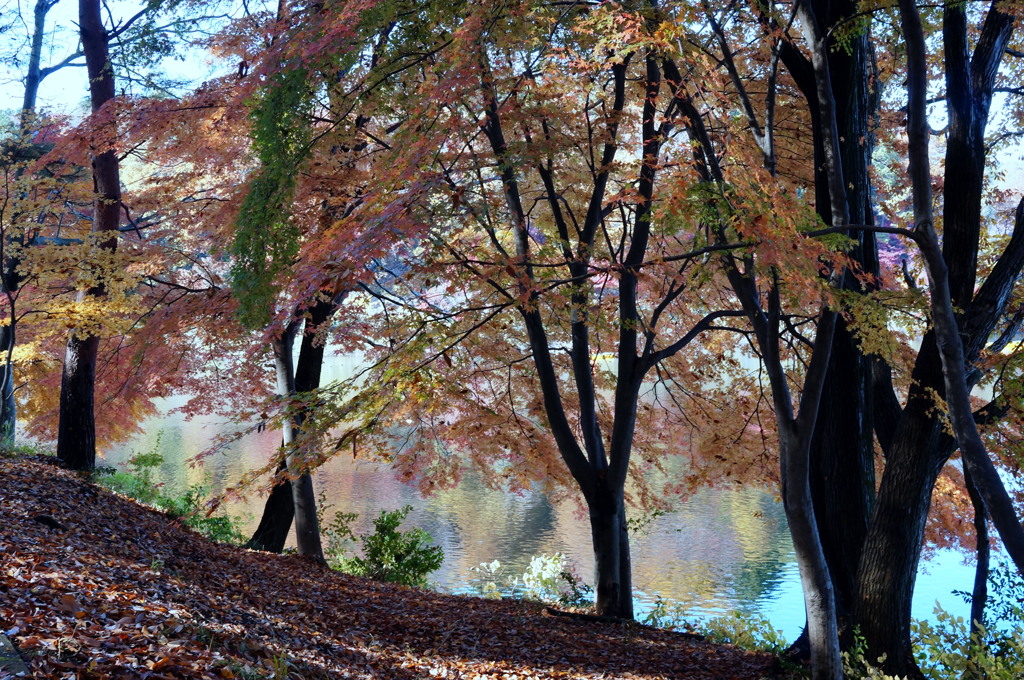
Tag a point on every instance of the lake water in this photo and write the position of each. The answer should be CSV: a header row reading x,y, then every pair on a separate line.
x,y
722,550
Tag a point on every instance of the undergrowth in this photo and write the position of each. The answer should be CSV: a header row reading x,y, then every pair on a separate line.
x,y
189,508
550,579
388,553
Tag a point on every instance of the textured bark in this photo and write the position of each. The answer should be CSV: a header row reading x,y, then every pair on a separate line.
x,y
888,566
612,577
916,451
842,450
279,510
76,438
842,471
77,430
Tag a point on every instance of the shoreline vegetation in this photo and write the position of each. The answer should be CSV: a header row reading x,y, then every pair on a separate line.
x,y
95,585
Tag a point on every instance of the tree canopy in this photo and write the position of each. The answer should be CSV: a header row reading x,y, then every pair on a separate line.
x,y
568,241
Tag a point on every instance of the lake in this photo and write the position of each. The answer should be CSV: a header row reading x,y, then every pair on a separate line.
x,y
724,549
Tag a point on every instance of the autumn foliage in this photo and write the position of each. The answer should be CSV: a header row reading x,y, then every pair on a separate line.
x,y
566,242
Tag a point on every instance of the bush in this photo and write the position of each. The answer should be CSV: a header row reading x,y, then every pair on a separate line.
x,y
403,557
747,631
950,648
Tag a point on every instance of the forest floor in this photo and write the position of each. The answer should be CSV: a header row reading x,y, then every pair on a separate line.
x,y
93,585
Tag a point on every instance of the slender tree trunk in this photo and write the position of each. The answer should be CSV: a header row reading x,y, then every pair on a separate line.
x,y
279,510
795,443
307,526
33,72
8,333
76,439
8,407
979,593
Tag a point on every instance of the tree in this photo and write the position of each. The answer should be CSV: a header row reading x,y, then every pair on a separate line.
x,y
76,441
139,41
493,219
919,445
35,72
809,75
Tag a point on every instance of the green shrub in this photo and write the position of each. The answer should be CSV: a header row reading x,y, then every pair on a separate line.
x,y
664,614
747,631
856,665
191,510
404,557
25,450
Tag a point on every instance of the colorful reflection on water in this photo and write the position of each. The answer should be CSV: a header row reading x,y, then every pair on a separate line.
x,y
722,550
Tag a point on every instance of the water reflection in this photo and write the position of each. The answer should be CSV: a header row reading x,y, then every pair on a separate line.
x,y
724,549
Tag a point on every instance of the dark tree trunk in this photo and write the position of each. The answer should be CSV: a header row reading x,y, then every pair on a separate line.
x,y
979,593
76,439
279,510
842,447
33,73
892,549
601,475
918,452
8,407
842,471
612,576
842,450
76,442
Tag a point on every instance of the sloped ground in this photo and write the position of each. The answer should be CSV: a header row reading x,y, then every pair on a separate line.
x,y
95,586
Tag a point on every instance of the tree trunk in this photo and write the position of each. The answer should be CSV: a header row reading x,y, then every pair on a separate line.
x,y
76,439
979,594
307,526
892,548
819,596
842,449
794,454
8,333
613,586
279,510
842,471
8,407
917,452
33,72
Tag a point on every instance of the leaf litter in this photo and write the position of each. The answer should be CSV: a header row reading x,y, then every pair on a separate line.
x,y
111,589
